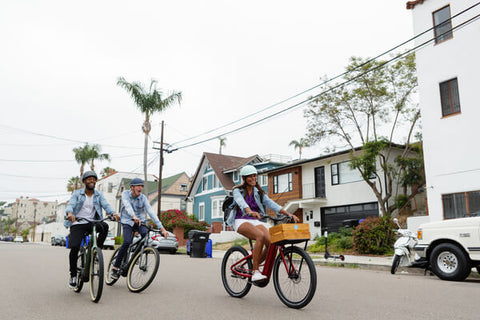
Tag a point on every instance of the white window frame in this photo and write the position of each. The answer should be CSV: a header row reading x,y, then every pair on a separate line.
x,y
289,186
217,207
201,211
263,180
204,183
341,173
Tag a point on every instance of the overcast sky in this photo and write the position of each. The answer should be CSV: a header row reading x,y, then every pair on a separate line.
x,y
60,61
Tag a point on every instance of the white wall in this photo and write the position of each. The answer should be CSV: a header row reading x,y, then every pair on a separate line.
x,y
451,143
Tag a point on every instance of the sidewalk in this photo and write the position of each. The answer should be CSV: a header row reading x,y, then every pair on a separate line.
x,y
383,263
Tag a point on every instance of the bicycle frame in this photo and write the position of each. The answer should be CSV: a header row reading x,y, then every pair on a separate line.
x,y
273,250
87,250
134,249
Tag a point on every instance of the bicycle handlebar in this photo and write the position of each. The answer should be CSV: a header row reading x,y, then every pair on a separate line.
x,y
101,220
283,218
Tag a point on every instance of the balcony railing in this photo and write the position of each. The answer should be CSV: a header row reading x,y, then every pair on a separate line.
x,y
308,191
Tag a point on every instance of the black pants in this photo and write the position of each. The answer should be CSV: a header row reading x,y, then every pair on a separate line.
x,y
75,239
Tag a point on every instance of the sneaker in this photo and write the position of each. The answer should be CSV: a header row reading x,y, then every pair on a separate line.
x,y
73,282
115,274
257,276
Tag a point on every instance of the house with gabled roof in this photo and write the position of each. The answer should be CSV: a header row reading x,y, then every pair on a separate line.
x,y
215,177
174,191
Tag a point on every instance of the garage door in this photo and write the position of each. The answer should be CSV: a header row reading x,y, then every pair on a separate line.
x,y
333,218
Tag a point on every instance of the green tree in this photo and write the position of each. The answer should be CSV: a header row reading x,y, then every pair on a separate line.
x,y
94,153
302,143
82,157
148,102
106,171
73,184
369,108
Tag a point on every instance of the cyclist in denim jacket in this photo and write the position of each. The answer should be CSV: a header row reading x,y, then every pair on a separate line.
x,y
85,203
251,199
135,205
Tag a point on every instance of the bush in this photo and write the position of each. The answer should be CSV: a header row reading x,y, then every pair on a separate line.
x,y
375,235
119,240
337,241
177,218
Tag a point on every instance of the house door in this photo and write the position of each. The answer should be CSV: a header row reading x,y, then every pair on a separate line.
x,y
320,182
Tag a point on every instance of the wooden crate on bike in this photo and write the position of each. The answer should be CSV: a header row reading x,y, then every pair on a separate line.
x,y
290,233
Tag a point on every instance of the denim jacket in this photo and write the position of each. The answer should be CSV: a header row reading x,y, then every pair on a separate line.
x,y
242,204
77,200
137,206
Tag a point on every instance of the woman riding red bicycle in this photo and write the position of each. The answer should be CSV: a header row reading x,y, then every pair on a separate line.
x,y
251,201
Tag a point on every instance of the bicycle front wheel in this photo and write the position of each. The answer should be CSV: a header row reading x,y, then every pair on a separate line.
x,y
143,269
294,277
236,285
80,268
96,275
108,279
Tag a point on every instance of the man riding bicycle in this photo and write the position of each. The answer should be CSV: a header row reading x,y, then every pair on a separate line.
x,y
87,204
135,205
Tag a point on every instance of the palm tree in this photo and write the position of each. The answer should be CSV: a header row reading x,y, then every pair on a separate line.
x,y
82,157
94,154
148,102
222,143
106,171
299,144
73,184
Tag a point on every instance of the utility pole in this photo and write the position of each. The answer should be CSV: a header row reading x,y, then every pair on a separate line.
x,y
159,198
160,169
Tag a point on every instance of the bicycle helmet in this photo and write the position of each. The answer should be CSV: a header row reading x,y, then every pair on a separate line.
x,y
89,174
248,170
136,182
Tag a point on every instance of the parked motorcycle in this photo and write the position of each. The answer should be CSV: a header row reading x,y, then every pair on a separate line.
x,y
403,248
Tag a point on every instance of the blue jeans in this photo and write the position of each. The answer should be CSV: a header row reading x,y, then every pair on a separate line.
x,y
128,233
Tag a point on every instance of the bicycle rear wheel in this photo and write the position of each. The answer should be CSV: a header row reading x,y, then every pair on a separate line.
x,y
80,268
96,275
108,279
237,286
295,278
143,269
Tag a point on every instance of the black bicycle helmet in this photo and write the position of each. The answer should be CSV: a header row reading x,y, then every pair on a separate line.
x,y
89,174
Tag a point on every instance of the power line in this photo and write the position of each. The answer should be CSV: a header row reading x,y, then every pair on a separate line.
x,y
318,85
340,84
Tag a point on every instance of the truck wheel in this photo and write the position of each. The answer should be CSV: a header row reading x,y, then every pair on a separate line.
x,y
449,262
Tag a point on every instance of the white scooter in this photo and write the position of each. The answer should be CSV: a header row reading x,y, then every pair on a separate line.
x,y
403,249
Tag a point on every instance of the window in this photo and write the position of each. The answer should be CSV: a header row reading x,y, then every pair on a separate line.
x,y
110,187
458,205
235,175
216,182
204,183
183,205
201,211
449,97
282,183
217,208
342,173
183,187
442,24
263,180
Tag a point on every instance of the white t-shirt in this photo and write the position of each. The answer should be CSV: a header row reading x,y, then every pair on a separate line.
x,y
87,211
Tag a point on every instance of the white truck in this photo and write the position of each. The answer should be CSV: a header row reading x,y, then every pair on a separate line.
x,y
451,248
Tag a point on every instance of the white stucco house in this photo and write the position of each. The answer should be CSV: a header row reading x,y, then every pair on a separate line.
x,y
448,67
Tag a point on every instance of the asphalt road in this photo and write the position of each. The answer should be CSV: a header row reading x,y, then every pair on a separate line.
x,y
33,285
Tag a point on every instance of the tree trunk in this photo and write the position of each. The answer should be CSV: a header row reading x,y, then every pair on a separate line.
x,y
146,129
